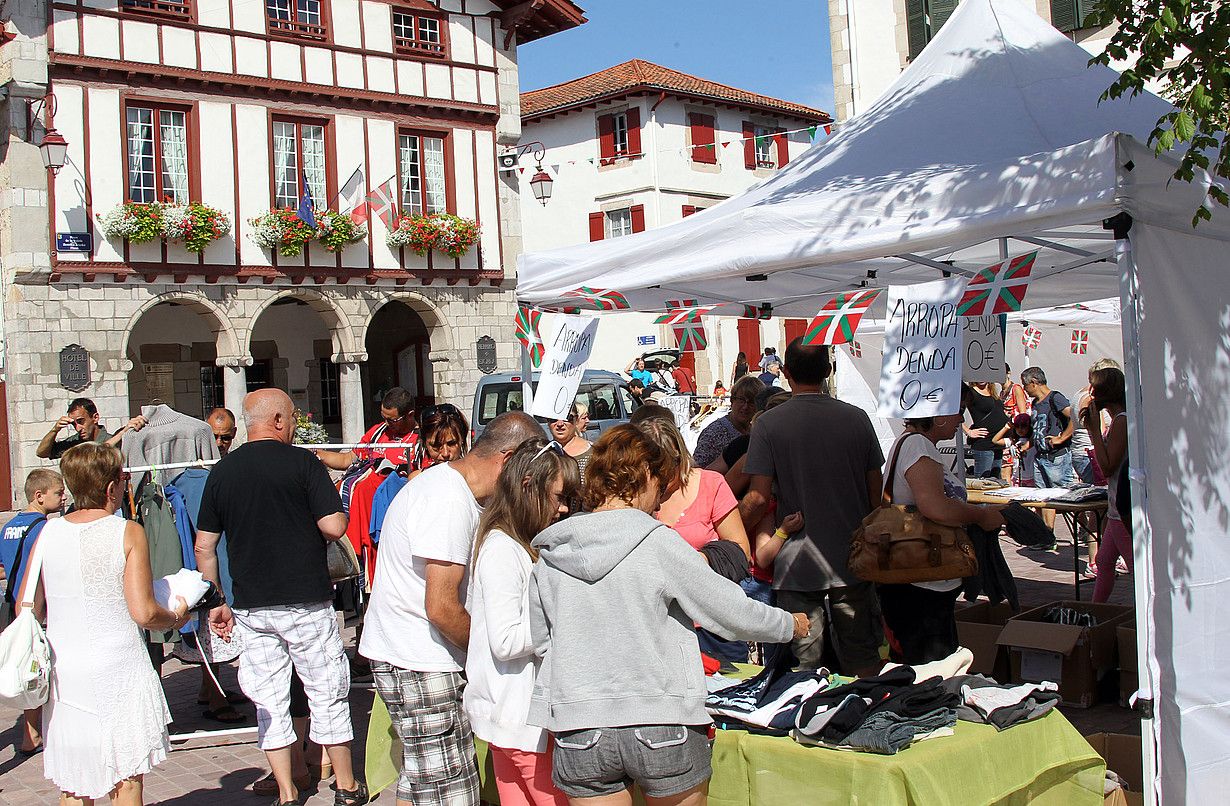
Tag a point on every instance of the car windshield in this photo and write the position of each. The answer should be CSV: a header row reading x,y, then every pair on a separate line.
x,y
598,396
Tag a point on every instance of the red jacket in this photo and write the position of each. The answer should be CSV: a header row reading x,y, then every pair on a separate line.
x,y
685,381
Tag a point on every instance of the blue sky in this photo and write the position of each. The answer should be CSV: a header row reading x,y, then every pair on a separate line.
x,y
779,49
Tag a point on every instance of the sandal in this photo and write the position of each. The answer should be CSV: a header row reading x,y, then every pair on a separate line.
x,y
351,797
227,715
269,785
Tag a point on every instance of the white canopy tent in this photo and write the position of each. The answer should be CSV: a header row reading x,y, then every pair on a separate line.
x,y
993,142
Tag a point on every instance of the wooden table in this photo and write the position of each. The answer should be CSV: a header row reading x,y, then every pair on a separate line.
x,y
1071,513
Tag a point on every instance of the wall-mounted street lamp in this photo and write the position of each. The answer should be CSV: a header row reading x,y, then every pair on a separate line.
x,y
54,148
540,183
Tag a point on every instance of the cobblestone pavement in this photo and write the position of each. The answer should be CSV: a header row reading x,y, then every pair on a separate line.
x,y
219,772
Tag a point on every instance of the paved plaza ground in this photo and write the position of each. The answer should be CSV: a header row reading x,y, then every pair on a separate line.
x,y
218,772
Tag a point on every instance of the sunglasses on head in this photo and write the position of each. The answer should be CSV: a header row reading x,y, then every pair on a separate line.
x,y
437,410
553,446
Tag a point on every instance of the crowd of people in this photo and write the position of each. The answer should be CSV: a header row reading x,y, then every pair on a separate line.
x,y
557,598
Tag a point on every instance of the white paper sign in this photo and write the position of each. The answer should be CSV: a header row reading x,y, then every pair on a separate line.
x,y
984,348
567,352
921,372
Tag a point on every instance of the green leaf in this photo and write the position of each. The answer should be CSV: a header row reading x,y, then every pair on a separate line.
x,y
1184,126
1165,140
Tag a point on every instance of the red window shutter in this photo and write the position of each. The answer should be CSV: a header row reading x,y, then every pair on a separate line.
x,y
688,209
749,340
606,139
634,133
638,218
597,226
704,144
749,145
795,328
688,362
783,148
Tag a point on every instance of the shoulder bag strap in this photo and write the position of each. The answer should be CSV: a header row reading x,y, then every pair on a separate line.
x,y
21,544
887,495
29,582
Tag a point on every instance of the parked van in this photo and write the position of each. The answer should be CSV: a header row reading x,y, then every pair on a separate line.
x,y
604,393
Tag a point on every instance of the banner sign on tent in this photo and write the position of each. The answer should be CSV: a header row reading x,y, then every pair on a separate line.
x,y
1031,337
528,321
601,298
838,320
1000,288
984,348
921,372
1080,342
568,351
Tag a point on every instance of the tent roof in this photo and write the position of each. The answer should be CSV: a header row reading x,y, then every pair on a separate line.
x,y
996,130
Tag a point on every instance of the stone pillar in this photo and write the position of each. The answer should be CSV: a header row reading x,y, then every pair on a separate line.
x,y
234,387
350,392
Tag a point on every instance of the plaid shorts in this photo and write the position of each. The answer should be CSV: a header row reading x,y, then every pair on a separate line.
x,y
438,763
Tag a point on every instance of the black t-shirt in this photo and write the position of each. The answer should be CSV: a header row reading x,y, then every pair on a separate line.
x,y
267,497
986,412
735,450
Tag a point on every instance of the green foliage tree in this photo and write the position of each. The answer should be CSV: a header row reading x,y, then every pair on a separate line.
x,y
1185,44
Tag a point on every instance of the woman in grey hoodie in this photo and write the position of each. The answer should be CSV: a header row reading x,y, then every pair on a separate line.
x,y
612,602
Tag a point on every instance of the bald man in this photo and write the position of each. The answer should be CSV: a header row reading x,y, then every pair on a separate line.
x,y
279,508
222,421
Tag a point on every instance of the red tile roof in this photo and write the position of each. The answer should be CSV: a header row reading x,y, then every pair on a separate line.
x,y
638,75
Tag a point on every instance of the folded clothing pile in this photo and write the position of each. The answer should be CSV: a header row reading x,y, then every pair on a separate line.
x,y
986,701
880,714
767,702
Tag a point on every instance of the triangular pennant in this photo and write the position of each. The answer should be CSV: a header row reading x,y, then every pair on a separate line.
x,y
828,129
725,143
811,132
837,321
521,170
998,289
527,333
601,298
1080,342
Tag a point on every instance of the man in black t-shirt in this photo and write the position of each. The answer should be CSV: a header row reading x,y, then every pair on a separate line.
x,y
278,508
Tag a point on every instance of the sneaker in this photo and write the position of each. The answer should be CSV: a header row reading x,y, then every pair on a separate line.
x,y
1090,572
351,797
1121,567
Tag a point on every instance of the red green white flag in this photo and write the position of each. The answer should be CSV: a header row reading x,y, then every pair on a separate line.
x,y
1080,342
680,311
998,289
837,321
691,337
756,312
527,333
601,298
1031,337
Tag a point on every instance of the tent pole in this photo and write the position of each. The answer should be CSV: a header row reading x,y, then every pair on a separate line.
x,y
1142,547
527,380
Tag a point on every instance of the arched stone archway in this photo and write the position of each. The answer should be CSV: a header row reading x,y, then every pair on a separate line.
x,y
398,341
340,331
173,346
428,311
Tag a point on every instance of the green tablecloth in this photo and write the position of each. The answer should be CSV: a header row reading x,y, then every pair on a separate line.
x,y
1040,762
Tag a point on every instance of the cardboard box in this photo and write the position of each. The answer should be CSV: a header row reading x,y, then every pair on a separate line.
x,y
1129,676
1073,656
978,629
1122,755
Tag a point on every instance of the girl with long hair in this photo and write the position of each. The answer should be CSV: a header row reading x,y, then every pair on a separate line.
x,y
533,492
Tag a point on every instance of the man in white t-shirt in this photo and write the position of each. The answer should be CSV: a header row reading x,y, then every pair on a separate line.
x,y
416,628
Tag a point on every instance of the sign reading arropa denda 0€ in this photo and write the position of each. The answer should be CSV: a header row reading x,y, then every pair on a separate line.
x,y
75,368
923,350
568,351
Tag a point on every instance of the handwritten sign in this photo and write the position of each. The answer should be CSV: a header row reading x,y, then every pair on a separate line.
x,y
984,348
568,349
921,372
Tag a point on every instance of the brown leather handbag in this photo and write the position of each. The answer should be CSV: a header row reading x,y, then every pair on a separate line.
x,y
897,545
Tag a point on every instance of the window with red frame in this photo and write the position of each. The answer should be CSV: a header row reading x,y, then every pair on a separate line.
x,y
156,145
299,151
176,9
704,140
298,17
619,136
422,173
419,34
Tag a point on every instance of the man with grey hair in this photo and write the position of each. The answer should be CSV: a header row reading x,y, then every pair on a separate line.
x,y
279,509
720,433
416,628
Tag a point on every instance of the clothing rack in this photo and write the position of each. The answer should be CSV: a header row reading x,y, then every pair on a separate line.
x,y
339,446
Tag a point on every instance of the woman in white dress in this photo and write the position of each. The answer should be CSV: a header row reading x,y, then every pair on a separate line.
x,y
105,724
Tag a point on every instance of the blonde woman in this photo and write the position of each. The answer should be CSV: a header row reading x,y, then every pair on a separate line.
x,y
532,493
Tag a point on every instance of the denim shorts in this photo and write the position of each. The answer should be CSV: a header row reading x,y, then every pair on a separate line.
x,y
664,760
1055,470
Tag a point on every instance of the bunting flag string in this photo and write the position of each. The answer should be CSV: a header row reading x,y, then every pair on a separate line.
x,y
601,298
838,320
999,288
1080,342
527,332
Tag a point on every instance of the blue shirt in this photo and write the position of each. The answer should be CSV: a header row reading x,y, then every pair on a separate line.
x,y
642,375
385,494
10,539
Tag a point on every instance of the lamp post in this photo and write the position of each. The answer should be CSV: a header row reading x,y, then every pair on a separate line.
x,y
54,148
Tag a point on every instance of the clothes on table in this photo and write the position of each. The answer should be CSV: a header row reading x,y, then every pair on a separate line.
x,y
879,715
167,438
954,665
770,699
985,701
886,732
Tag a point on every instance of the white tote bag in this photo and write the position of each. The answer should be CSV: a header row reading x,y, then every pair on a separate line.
x,y
25,655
